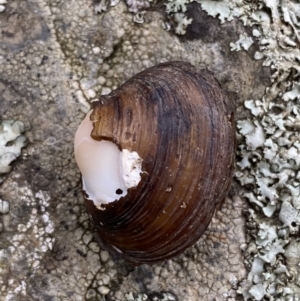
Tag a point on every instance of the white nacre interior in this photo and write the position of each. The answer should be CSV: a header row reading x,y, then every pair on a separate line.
x,y
106,171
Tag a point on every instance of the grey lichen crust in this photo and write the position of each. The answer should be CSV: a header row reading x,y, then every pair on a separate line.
x,y
56,57
176,9
11,143
269,150
2,5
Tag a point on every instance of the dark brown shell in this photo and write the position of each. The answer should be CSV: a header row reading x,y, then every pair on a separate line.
x,y
181,124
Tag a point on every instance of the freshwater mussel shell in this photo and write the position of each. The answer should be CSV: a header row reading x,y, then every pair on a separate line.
x,y
181,123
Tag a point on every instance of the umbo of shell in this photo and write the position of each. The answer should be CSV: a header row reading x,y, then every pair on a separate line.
x,y
157,158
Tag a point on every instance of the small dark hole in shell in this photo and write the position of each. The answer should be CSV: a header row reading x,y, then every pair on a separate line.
x,y
119,191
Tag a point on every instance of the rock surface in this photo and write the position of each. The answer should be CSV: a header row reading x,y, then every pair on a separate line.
x,y
56,57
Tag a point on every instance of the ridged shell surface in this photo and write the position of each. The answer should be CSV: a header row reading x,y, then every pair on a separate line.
x,y
180,122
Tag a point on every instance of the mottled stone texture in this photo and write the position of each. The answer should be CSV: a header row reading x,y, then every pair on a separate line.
x,y
55,58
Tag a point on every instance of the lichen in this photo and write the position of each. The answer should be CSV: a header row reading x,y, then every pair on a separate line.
x,y
34,236
182,23
11,143
88,54
269,142
220,9
134,6
244,42
2,5
102,6
176,9
269,147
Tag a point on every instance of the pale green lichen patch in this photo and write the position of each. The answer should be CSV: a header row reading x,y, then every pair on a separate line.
x,y
244,42
220,9
182,23
11,143
269,145
176,9
2,5
137,7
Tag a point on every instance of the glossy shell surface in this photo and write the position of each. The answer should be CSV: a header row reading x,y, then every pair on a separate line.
x,y
180,122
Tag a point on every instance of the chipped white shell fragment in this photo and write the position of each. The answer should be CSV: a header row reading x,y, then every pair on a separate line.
x,y
107,172
132,168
